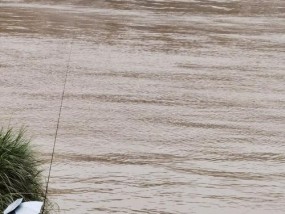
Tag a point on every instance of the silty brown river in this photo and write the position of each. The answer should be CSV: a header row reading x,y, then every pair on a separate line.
x,y
171,106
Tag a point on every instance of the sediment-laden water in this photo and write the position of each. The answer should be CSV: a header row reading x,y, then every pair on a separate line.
x,y
171,106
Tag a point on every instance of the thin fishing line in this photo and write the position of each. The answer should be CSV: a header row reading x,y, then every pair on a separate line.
x,y
58,122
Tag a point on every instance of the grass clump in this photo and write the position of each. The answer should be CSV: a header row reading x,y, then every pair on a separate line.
x,y
19,170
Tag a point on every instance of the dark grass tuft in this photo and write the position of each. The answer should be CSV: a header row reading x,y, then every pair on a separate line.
x,y
20,176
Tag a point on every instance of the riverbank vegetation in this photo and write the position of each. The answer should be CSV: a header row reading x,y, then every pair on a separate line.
x,y
20,176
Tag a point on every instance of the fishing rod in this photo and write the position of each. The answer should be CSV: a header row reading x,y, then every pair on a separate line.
x,y
58,122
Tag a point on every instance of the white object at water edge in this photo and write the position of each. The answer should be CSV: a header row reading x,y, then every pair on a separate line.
x,y
17,207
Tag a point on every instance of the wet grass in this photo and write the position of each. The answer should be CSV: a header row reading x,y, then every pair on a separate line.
x,y
20,176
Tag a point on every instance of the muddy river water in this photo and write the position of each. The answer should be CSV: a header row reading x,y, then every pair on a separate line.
x,y
171,106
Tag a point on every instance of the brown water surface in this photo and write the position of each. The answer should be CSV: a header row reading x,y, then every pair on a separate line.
x,y
171,106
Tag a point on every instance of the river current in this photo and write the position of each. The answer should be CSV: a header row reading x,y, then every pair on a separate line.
x,y
171,106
